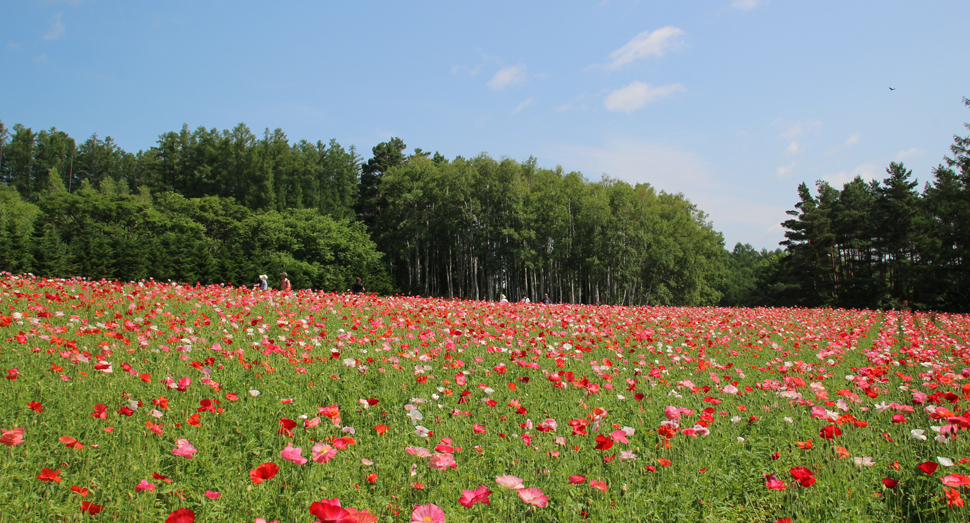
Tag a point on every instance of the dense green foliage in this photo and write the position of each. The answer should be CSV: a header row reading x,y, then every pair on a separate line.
x,y
216,206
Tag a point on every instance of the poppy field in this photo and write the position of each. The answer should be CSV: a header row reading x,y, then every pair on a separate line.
x,y
159,402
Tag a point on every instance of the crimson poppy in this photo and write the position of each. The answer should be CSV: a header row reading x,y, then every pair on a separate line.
x,y
263,472
182,515
91,508
50,476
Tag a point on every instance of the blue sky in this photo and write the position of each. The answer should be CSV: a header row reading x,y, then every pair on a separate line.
x,y
731,102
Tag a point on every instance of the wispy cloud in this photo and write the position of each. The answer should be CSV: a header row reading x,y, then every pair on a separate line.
x,y
746,5
473,71
785,170
644,45
849,142
507,76
637,94
522,105
13,46
909,153
866,171
42,59
793,147
57,28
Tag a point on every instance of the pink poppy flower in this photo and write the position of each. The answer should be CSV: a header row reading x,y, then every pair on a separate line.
x,y
955,480
420,452
619,436
211,494
12,437
184,448
323,453
144,485
598,485
576,480
429,513
533,496
442,461
509,482
470,497
293,454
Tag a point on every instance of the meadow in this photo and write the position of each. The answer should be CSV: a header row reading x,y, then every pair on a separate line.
x,y
157,402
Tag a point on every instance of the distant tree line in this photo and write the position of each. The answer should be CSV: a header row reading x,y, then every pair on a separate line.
x,y
878,244
219,206
210,206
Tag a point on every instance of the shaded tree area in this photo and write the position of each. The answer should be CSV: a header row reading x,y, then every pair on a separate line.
x,y
882,244
481,227
100,234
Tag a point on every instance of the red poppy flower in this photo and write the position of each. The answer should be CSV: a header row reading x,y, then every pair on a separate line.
x,y
286,427
80,490
603,442
830,432
36,406
263,472
803,475
328,510
49,475
182,515
91,508
576,480
953,498
381,429
70,442
928,467
890,483
100,411
161,477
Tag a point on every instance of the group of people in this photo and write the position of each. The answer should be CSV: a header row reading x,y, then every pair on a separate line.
x,y
358,288
286,286
545,299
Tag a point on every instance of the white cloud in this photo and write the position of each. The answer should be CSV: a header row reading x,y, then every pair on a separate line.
x,y
522,105
13,46
867,171
42,59
793,147
507,76
57,28
909,153
746,5
785,170
638,94
644,45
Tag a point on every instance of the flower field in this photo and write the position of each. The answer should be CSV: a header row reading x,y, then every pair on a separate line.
x,y
158,402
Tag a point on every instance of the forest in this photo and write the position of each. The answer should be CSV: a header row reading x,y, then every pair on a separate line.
x,y
213,206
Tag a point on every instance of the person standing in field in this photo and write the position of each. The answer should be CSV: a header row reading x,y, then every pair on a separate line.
x,y
546,299
263,282
285,285
358,287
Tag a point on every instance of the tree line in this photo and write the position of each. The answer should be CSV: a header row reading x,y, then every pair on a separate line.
x,y
224,206
879,244
210,206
